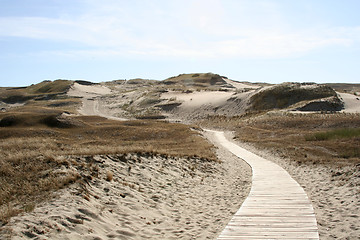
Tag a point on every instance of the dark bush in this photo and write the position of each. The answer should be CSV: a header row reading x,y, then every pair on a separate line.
x,y
9,121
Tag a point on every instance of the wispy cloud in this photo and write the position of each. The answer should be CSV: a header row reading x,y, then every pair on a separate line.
x,y
201,29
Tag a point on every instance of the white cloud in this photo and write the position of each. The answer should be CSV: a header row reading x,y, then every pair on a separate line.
x,y
183,29
268,45
89,31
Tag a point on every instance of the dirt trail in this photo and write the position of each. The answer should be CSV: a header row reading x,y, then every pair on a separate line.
x,y
92,103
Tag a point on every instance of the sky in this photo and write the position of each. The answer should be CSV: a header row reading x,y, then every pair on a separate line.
x,y
271,41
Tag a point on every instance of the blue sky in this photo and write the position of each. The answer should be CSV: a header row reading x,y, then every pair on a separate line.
x,y
248,40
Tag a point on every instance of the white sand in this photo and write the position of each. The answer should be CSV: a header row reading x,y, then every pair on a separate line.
x,y
157,198
6,106
198,99
240,85
351,102
199,105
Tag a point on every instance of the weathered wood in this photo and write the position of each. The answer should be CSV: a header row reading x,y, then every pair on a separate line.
x,y
277,206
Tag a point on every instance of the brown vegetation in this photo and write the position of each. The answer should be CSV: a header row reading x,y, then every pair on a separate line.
x,y
33,144
197,80
293,136
45,90
352,88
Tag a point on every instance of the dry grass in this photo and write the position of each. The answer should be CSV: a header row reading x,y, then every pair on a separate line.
x,y
57,86
31,149
351,88
109,176
195,81
288,135
45,90
342,133
44,96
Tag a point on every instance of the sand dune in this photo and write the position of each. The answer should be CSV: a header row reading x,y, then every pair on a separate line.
x,y
197,99
148,198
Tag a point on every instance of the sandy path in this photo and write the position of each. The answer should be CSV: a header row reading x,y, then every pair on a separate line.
x,y
277,206
92,103
95,107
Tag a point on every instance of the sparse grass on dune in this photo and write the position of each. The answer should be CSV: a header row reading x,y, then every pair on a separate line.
x,y
41,92
195,81
32,149
57,86
284,95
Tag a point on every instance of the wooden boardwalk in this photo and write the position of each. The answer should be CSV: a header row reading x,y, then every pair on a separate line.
x,y
277,206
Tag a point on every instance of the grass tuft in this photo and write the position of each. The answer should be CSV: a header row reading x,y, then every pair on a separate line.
x,y
109,176
334,134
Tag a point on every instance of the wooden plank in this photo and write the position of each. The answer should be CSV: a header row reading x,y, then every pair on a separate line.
x,y
262,237
276,235
273,230
267,203
271,235
271,224
277,206
278,219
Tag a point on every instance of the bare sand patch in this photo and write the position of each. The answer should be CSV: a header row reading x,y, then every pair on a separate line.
x,y
351,102
79,90
240,85
197,99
